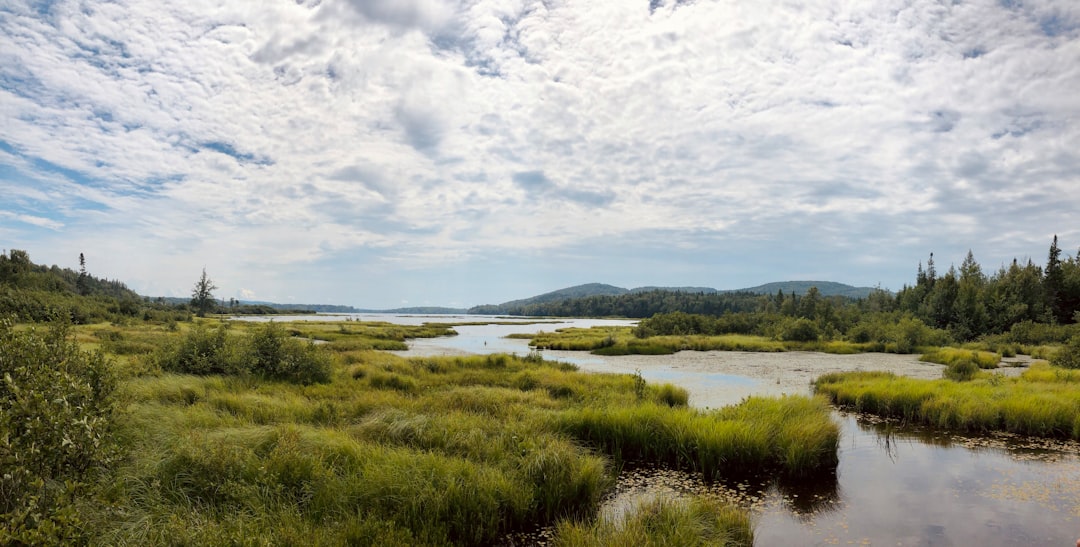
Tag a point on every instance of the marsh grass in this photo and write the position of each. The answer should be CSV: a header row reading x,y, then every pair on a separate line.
x,y
387,450
1044,401
950,356
791,435
661,522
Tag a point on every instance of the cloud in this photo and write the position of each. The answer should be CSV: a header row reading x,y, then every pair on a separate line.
x,y
268,141
537,185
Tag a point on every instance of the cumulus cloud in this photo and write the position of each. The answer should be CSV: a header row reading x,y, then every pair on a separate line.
x,y
278,139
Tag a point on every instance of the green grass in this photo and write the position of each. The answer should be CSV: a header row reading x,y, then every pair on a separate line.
x,y
949,356
1044,401
662,522
791,435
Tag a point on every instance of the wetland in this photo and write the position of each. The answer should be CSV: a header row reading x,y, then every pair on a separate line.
x,y
895,484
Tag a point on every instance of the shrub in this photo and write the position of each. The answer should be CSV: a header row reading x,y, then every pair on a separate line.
x,y
1069,354
799,330
961,370
56,421
204,351
269,353
279,357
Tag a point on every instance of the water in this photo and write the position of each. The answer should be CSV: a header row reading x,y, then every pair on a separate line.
x,y
893,485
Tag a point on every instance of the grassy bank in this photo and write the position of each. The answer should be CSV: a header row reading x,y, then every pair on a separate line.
x,y
1043,401
426,451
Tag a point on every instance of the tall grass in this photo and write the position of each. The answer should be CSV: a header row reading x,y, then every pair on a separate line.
x,y
949,356
792,435
431,451
661,522
1043,401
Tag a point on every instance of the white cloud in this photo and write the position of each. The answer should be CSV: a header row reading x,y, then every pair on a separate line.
x,y
268,139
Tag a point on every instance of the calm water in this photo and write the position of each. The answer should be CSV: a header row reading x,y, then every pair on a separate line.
x,y
893,486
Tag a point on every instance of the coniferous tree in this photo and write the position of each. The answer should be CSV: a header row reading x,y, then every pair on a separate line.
x,y
82,283
1054,281
202,295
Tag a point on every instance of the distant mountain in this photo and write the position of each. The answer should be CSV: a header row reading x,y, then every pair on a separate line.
x,y
423,310
591,290
694,290
826,288
569,293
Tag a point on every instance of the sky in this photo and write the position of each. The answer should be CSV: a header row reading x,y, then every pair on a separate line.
x,y
392,153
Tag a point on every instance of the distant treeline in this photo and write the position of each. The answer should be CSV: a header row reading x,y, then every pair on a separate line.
x,y
634,304
965,303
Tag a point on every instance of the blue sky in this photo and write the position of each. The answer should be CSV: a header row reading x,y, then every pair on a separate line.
x,y
386,153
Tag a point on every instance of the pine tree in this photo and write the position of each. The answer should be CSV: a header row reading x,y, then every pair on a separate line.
x,y
82,283
202,295
1053,280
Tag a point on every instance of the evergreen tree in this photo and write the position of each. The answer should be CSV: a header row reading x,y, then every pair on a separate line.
x,y
82,283
1054,281
202,295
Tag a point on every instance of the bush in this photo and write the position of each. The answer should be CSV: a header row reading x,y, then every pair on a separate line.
x,y
56,422
205,351
799,330
269,353
1069,354
961,370
279,357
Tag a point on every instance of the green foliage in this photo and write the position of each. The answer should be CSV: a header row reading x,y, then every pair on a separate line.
x,y
268,353
961,370
57,411
799,330
202,295
1069,354
279,357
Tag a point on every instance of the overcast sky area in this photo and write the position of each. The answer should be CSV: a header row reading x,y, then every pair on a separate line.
x,y
388,153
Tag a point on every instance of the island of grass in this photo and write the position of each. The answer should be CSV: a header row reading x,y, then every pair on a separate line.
x,y
1043,401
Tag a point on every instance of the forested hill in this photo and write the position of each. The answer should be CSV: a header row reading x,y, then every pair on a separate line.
x,y
598,299
569,293
825,288
33,292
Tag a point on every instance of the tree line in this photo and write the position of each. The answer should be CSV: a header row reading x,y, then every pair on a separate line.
x,y
964,303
